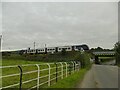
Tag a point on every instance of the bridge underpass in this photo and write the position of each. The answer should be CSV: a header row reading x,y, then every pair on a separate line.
x,y
101,76
98,54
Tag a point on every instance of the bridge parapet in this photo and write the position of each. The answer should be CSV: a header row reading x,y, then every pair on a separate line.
x,y
104,53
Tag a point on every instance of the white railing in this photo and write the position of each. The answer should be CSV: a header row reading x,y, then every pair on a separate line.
x,y
46,71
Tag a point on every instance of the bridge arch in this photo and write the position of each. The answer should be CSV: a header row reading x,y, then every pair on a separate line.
x,y
98,54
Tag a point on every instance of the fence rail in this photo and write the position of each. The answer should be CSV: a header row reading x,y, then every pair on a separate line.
x,y
45,73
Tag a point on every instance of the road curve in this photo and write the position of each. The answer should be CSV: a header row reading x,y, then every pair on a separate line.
x,y
101,76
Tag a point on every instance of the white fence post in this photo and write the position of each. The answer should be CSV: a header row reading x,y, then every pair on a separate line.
x,y
49,74
61,70
73,66
38,81
79,65
66,68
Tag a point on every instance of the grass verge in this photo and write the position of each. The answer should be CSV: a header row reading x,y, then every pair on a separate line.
x,y
118,65
71,81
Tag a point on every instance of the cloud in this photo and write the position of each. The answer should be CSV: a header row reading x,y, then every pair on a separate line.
x,y
59,24
0,18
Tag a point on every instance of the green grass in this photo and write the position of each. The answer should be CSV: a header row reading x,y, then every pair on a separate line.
x,y
107,57
118,65
15,70
71,81
6,62
15,59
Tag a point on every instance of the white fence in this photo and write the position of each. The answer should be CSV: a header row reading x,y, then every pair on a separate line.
x,y
36,75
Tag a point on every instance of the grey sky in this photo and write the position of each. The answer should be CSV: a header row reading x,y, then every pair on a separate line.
x,y
0,18
56,24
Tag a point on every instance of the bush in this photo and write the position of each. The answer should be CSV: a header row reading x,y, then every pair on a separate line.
x,y
84,58
63,52
117,52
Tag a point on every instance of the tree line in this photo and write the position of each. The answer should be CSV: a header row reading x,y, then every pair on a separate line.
x,y
117,52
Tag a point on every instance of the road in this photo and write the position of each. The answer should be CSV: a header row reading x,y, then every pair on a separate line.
x,y
100,76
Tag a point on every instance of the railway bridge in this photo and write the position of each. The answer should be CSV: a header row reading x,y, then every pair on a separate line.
x,y
98,54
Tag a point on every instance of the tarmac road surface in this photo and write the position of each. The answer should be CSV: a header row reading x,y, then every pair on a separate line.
x,y
100,76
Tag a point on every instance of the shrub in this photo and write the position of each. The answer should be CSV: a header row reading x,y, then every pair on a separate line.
x,y
117,52
63,52
84,58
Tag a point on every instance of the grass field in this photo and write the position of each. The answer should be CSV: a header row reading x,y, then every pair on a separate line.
x,y
37,59
6,62
14,70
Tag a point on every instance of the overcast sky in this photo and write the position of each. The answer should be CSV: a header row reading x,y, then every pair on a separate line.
x,y
60,23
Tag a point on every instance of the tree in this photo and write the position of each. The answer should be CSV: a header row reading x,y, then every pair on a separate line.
x,y
84,58
21,52
117,52
97,49
63,51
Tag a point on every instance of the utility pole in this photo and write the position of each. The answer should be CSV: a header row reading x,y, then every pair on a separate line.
x,y
34,45
0,48
45,45
45,49
0,42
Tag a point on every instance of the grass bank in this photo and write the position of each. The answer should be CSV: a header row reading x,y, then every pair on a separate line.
x,y
106,59
71,81
118,65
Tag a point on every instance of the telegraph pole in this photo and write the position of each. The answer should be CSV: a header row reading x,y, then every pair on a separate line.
x,y
45,49
45,45
34,45
0,42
